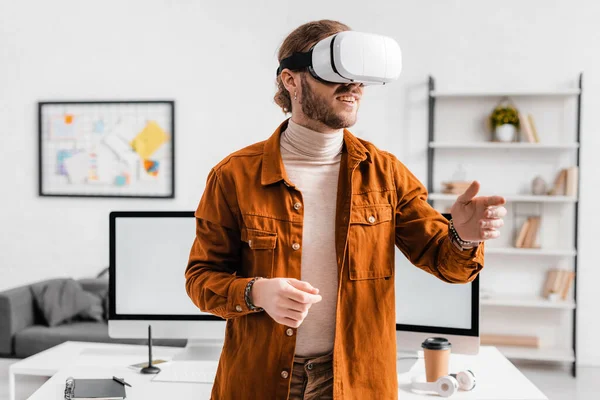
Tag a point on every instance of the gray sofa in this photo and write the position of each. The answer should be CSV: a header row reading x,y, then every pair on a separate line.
x,y
23,332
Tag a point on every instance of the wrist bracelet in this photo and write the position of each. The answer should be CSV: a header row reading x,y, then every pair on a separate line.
x,y
463,244
249,303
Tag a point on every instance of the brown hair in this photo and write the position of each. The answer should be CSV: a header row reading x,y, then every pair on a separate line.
x,y
301,40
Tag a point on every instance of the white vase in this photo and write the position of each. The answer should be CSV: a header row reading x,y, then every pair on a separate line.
x,y
505,132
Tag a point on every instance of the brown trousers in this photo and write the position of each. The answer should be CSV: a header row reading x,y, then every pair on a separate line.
x,y
312,378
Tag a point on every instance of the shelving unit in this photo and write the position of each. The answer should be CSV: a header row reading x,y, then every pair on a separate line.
x,y
531,252
539,354
522,198
569,250
513,93
529,302
507,146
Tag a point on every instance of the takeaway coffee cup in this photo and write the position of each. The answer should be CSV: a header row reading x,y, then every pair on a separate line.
x,y
437,357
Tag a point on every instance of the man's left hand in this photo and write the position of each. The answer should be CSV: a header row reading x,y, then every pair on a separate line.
x,y
478,218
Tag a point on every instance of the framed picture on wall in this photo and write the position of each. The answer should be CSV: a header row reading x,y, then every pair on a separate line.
x,y
107,149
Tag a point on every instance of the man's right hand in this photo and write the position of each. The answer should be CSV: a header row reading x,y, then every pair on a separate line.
x,y
286,300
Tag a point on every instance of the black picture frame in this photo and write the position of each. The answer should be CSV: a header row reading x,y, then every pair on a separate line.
x,y
170,104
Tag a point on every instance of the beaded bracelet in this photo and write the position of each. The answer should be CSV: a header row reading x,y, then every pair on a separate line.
x,y
249,303
463,244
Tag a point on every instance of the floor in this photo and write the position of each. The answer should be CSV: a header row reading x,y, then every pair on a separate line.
x,y
556,382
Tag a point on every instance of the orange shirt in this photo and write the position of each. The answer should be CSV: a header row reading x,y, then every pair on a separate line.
x,y
247,226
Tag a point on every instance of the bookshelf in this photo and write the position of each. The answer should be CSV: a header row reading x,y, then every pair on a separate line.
x,y
529,302
530,252
509,93
523,198
504,146
530,307
543,354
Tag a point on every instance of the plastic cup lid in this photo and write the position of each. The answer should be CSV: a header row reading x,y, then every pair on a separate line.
x,y
436,343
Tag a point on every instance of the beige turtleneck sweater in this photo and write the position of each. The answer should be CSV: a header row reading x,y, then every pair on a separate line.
x,y
312,163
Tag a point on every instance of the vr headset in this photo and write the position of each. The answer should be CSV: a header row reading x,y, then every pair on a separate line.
x,y
350,57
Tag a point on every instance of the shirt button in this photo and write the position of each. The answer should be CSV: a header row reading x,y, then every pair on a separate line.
x,y
295,246
372,219
238,308
297,206
309,366
289,332
284,374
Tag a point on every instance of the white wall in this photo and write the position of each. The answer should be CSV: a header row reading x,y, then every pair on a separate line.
x,y
217,60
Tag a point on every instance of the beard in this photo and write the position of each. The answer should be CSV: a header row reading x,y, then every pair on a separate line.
x,y
317,108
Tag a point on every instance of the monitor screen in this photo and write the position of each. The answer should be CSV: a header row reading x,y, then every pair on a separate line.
x,y
150,257
424,300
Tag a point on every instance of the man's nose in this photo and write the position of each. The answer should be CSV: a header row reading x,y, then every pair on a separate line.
x,y
358,87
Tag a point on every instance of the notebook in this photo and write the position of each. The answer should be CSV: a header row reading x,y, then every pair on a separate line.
x,y
94,389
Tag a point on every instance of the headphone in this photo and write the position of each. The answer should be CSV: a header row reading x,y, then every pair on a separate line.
x,y
447,385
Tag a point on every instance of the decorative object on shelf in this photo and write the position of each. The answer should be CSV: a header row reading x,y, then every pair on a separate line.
x,y
566,182
558,284
459,183
107,149
527,236
504,121
460,174
539,186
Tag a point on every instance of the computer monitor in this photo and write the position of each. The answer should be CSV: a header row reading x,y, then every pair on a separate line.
x,y
148,256
427,306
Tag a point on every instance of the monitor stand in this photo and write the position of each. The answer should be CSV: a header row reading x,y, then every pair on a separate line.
x,y
200,349
405,360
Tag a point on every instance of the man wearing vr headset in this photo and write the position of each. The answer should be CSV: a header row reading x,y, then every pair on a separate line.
x,y
296,234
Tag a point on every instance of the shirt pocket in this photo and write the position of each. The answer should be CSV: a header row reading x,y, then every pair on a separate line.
x,y
259,252
371,242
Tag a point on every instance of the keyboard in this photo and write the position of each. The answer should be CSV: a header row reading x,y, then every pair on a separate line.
x,y
187,371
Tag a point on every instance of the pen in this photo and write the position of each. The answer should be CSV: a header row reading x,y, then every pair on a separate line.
x,y
121,381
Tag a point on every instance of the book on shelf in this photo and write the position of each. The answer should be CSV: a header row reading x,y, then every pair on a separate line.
x,y
560,181
527,237
566,182
572,181
455,187
533,128
526,129
492,339
558,284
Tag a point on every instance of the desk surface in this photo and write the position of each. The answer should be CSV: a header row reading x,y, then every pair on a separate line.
x,y
497,378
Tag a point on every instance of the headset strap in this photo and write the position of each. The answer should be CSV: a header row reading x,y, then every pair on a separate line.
x,y
296,61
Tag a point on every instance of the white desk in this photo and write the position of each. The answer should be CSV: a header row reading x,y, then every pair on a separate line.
x,y
49,362
110,360
497,378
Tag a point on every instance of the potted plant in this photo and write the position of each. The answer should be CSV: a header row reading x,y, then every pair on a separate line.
x,y
504,121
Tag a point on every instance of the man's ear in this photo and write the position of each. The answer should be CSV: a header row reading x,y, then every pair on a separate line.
x,y
290,79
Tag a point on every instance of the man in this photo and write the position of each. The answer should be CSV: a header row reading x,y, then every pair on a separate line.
x,y
295,247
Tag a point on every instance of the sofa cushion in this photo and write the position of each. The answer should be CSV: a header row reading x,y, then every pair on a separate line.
x,y
38,338
98,286
60,299
95,312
